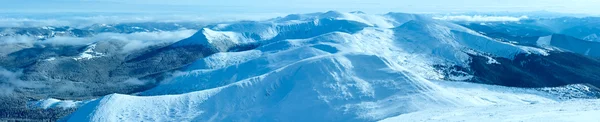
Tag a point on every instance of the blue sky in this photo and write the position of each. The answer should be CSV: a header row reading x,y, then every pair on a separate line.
x,y
295,6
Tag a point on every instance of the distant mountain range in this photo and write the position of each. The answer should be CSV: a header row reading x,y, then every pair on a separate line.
x,y
46,32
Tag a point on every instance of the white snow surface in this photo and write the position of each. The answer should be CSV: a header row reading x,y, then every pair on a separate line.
x,y
55,103
222,60
588,48
568,111
545,42
592,37
321,67
89,53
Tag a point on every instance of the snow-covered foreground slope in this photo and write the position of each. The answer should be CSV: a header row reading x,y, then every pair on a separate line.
x,y
568,111
320,67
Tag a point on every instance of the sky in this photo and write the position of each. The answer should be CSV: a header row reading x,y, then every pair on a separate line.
x,y
295,6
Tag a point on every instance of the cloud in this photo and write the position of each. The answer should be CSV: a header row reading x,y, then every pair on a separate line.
x,y
69,87
16,39
58,40
133,41
6,90
135,81
140,40
28,22
479,18
85,20
64,40
9,81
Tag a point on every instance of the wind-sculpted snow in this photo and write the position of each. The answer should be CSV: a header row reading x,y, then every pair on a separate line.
x,y
318,67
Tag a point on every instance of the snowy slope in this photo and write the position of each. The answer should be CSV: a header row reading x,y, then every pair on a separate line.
x,y
566,34
452,43
569,111
56,103
320,67
89,53
571,44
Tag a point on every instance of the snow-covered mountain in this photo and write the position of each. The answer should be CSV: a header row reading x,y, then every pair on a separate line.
x,y
338,66
579,35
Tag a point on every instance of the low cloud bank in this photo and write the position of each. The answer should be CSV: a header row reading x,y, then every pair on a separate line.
x,y
16,39
134,41
9,81
81,21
